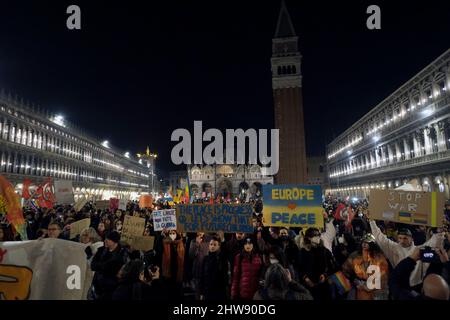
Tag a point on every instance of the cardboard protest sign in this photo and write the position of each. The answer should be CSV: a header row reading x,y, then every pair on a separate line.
x,y
229,218
164,219
64,192
145,201
80,204
78,226
132,227
410,207
144,243
102,204
293,206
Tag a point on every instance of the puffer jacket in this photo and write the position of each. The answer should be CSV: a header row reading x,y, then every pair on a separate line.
x,y
246,275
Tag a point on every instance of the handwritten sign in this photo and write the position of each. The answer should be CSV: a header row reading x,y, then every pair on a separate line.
x,y
229,218
143,243
122,204
64,192
164,219
132,227
80,204
102,204
293,205
410,207
78,226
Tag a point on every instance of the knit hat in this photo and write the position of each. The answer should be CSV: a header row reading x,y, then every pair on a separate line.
x,y
113,236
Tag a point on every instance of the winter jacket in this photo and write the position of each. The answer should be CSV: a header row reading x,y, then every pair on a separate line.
x,y
246,275
197,252
106,265
214,277
395,253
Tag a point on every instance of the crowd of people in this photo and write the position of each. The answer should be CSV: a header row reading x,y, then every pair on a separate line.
x,y
353,257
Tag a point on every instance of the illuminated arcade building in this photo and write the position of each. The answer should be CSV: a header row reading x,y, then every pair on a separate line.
x,y
228,179
36,144
404,139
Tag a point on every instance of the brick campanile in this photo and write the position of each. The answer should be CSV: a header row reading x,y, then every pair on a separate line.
x,y
288,101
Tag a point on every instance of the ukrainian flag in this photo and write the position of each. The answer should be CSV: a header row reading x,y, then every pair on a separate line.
x,y
405,216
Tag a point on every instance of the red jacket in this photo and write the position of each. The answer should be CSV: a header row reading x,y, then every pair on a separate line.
x,y
246,276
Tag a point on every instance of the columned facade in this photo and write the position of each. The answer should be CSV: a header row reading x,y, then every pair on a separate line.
x,y
37,145
404,139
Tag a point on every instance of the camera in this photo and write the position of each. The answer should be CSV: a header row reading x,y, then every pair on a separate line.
x,y
427,254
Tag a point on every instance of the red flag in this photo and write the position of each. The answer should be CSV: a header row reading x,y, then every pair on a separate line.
x,y
26,189
44,195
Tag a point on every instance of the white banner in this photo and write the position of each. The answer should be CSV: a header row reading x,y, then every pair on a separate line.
x,y
164,219
123,204
48,269
64,192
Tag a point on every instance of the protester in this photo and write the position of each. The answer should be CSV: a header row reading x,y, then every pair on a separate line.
x,y
434,286
290,249
173,262
213,282
101,230
315,265
129,282
106,263
198,249
90,237
246,273
6,233
54,230
397,251
233,247
357,269
278,285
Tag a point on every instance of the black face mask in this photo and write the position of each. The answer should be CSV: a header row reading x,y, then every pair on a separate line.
x,y
284,238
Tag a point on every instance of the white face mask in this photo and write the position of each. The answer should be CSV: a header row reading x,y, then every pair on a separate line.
x,y
173,236
273,261
315,240
341,240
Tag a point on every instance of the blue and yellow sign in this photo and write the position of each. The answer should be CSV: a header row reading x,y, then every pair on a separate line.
x,y
292,205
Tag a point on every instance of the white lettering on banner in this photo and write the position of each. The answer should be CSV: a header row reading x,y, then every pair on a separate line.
x,y
374,280
74,280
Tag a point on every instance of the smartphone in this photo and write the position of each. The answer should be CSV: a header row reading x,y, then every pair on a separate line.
x,y
427,254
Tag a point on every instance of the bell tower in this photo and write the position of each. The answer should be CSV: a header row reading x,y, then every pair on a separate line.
x,y
288,101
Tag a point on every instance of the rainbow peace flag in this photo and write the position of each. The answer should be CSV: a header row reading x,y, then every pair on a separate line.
x,y
341,282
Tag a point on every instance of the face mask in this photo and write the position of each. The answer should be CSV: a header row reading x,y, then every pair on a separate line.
x,y
315,240
284,238
273,261
341,240
173,236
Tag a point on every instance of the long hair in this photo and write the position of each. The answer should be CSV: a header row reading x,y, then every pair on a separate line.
x,y
276,281
279,255
92,234
374,249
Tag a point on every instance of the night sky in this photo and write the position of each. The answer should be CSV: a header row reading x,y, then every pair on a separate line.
x,y
137,70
